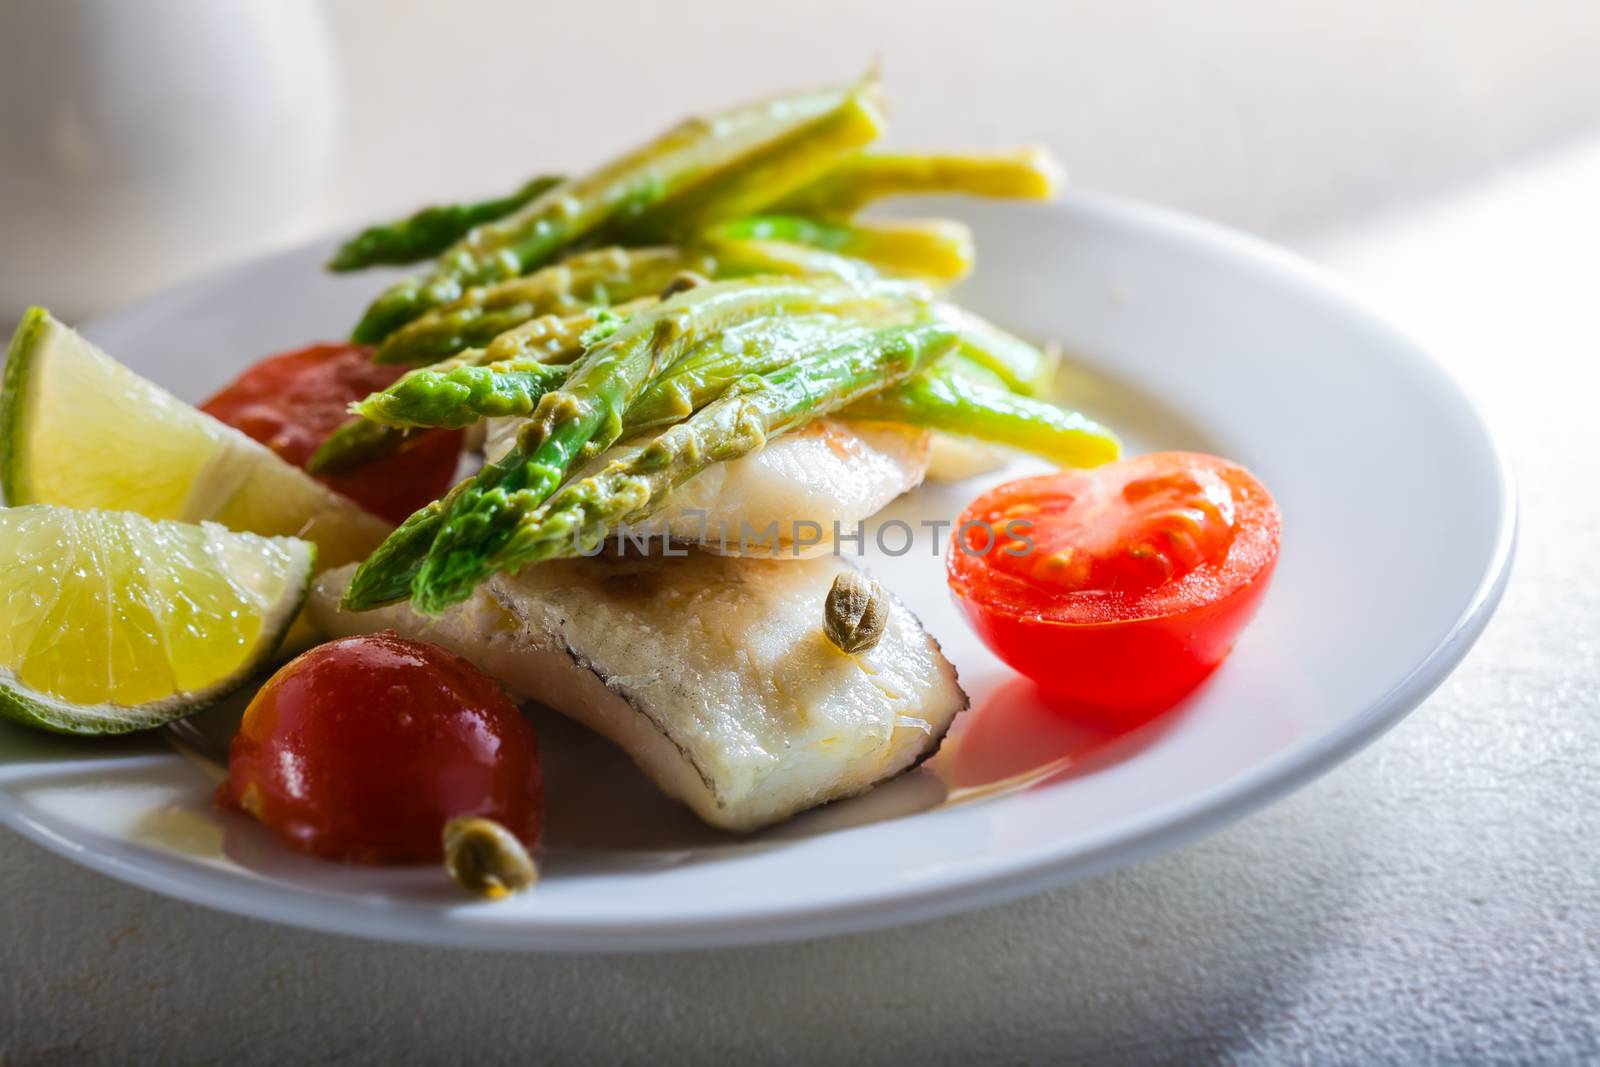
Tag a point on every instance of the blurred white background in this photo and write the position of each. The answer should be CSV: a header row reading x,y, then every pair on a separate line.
x,y
1436,899
142,144
1279,117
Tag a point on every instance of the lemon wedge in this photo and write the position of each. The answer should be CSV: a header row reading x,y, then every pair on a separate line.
x,y
78,428
112,622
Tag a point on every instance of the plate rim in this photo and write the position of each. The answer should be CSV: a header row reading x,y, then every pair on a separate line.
x,y
993,883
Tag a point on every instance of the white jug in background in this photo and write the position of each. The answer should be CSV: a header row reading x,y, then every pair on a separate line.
x,y
140,142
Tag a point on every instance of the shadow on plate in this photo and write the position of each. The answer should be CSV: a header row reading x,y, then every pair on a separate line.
x,y
603,813
1017,739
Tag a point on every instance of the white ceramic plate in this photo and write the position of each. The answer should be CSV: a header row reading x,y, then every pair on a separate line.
x,y
1398,533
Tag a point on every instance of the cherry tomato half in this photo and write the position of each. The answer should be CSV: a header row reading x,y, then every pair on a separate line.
x,y
362,749
1117,589
292,402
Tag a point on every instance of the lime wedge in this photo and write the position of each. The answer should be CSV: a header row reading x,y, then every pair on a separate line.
x,y
80,429
112,622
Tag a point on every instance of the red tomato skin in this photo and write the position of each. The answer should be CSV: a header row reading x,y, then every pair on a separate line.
x,y
1125,660
362,749
293,401
1124,669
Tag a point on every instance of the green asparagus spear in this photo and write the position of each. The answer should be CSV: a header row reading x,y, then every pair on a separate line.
x,y
547,339
607,276
357,442
1023,173
936,250
767,174
955,396
431,230
461,395
1019,364
748,257
945,398
460,391
755,408
432,397
536,233
586,416
760,347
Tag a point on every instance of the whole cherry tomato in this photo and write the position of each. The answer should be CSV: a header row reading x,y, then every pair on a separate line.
x,y
1117,589
362,749
292,402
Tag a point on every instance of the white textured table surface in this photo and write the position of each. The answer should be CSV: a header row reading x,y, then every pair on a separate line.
x,y
1436,898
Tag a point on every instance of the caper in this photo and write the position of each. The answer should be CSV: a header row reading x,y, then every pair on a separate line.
x,y
483,857
855,613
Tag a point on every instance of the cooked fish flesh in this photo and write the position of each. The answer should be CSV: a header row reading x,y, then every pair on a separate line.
x,y
955,459
797,487
712,672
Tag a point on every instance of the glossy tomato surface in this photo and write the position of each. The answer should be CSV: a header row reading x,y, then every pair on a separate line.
x,y
292,402
1117,589
362,749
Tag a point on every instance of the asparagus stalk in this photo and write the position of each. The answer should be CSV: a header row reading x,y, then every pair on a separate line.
x,y
1024,173
735,258
357,442
946,398
506,377
1023,367
953,396
488,312
482,314
390,415
459,396
458,391
431,230
760,347
755,408
547,339
696,380
536,233
936,250
768,173
584,417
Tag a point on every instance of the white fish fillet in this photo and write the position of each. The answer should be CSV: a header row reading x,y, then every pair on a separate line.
x,y
798,486
955,459
712,672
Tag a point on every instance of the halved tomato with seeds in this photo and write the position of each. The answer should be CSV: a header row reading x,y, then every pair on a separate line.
x,y
1121,588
